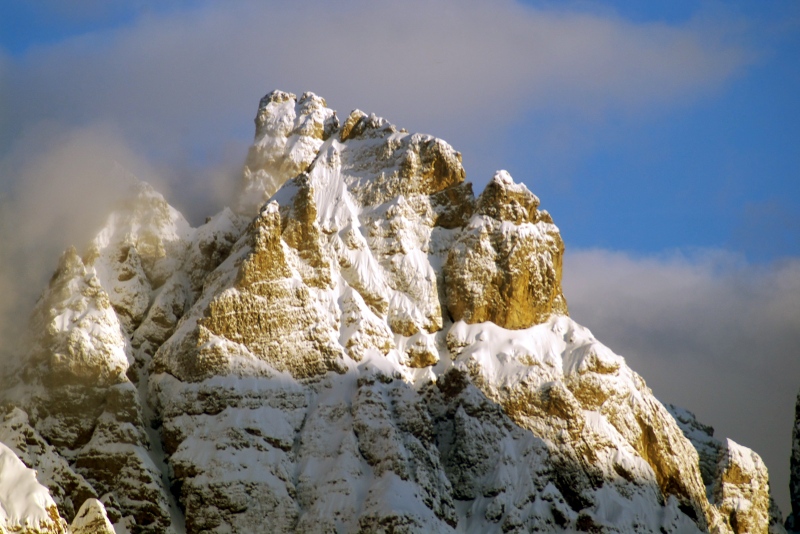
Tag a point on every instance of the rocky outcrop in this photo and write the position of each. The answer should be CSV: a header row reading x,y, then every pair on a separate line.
x,y
360,346
78,352
92,519
742,490
68,488
506,265
289,133
736,479
302,337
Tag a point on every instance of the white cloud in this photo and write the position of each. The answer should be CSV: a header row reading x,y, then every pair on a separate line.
x,y
442,65
709,332
179,88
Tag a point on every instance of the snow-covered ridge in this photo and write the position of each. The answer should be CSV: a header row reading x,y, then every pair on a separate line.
x,y
360,345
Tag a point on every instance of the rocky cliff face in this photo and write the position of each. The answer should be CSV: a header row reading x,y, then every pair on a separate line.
x,y
735,477
793,521
362,345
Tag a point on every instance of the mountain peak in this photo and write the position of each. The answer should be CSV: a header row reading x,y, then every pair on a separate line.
x,y
288,135
360,346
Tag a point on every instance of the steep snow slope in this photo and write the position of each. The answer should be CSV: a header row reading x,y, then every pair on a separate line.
x,y
361,346
25,504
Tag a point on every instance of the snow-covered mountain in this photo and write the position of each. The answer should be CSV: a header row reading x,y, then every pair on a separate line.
x,y
359,345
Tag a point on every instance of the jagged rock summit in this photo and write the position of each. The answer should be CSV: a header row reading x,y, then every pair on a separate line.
x,y
360,345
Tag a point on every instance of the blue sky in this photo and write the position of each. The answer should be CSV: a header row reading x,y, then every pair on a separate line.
x,y
718,170
663,136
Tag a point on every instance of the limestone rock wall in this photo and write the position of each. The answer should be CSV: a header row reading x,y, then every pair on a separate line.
x,y
506,265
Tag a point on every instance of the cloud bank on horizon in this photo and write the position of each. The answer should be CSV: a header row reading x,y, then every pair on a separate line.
x,y
168,94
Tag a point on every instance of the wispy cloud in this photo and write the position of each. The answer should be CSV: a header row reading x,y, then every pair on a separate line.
x,y
65,182
175,90
190,76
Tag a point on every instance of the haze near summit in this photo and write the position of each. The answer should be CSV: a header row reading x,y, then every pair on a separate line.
x,y
662,138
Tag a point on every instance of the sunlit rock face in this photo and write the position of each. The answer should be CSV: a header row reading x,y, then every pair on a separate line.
x,y
505,266
359,345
